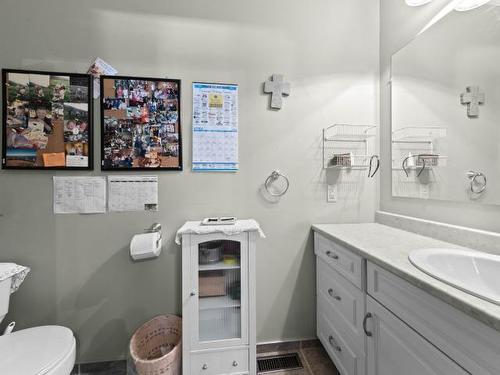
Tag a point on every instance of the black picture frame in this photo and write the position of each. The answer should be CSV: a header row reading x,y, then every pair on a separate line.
x,y
108,152
7,163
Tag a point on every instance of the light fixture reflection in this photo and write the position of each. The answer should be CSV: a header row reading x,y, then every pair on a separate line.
x,y
417,3
465,5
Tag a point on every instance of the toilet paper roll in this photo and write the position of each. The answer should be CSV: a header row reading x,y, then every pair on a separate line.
x,y
145,245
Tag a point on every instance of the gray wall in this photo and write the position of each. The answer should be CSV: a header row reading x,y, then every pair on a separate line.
x,y
399,24
82,276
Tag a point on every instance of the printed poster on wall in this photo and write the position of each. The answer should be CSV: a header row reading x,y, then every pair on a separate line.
x,y
215,127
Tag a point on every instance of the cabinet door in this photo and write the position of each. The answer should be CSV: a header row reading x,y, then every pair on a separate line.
x,y
219,296
395,349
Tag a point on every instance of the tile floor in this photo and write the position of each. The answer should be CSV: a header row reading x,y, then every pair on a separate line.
x,y
313,356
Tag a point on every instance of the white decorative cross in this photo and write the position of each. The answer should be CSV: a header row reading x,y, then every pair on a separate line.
x,y
277,88
472,97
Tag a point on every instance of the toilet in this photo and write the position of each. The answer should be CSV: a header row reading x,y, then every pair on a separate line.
x,y
44,350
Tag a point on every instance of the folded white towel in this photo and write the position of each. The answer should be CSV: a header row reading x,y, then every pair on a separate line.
x,y
239,227
16,272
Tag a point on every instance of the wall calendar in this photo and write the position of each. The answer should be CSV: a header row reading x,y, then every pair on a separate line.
x,y
215,127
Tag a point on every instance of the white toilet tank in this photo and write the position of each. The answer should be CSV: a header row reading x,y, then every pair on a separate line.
x,y
11,277
4,297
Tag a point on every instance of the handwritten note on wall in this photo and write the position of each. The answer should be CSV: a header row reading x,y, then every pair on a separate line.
x,y
84,195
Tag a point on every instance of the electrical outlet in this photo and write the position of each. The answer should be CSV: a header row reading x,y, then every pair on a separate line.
x,y
331,194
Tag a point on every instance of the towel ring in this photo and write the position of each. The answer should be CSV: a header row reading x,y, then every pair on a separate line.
x,y
473,176
273,177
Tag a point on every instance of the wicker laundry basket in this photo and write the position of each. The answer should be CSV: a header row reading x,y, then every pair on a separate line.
x,y
156,346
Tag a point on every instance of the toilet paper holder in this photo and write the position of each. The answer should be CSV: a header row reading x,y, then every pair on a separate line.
x,y
155,228
147,244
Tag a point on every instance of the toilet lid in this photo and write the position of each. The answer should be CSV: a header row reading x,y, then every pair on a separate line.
x,y
34,350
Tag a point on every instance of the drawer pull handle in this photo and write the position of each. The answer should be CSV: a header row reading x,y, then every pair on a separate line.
x,y
235,364
334,344
330,292
205,366
367,316
332,255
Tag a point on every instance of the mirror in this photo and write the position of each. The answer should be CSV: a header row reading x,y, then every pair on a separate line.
x,y
445,89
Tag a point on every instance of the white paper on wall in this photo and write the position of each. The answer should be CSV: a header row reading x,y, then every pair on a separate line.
x,y
133,193
98,68
215,127
84,195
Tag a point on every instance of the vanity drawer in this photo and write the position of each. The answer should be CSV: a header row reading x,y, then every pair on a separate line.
x,y
231,361
470,343
345,303
347,359
340,258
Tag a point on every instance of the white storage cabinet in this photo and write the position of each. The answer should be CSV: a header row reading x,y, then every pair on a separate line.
x,y
218,304
372,322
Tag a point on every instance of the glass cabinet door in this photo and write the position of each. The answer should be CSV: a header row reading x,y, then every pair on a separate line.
x,y
221,281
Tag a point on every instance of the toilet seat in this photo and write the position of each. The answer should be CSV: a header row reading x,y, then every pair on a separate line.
x,y
46,350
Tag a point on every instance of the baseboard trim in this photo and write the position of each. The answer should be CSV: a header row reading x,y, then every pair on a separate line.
x,y
287,345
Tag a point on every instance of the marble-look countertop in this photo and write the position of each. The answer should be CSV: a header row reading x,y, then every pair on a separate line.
x,y
389,248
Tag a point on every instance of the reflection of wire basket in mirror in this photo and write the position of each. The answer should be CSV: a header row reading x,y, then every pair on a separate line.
x,y
156,346
418,133
427,160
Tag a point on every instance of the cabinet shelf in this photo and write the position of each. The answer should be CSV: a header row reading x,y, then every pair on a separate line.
x,y
214,303
218,266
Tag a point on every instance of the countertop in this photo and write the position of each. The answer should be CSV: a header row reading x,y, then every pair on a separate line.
x,y
389,248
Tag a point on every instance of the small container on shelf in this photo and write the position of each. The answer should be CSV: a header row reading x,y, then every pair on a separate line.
x,y
210,252
230,259
341,160
212,284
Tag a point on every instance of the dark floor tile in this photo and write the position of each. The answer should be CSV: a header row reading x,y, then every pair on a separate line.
x,y
318,361
312,343
104,368
75,370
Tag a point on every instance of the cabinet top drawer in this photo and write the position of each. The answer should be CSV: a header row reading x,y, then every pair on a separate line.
x,y
341,259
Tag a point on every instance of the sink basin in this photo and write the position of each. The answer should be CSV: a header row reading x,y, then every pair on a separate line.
x,y
473,272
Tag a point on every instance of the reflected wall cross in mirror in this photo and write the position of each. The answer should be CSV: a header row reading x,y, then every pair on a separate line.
x,y
473,97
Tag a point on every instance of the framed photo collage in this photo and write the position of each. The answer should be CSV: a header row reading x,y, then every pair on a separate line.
x,y
47,122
